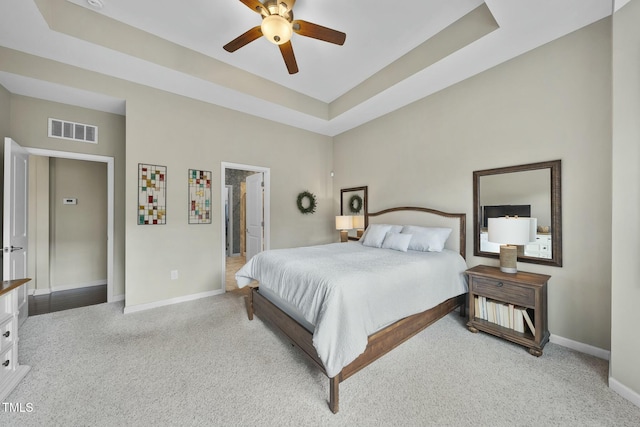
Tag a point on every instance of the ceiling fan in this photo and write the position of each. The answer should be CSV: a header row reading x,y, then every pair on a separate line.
x,y
278,26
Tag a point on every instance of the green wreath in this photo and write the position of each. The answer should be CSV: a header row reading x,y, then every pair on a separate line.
x,y
310,204
355,204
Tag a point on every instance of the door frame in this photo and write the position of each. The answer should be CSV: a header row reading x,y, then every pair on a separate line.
x,y
229,189
267,208
110,200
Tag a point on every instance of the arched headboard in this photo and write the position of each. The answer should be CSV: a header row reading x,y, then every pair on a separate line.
x,y
427,217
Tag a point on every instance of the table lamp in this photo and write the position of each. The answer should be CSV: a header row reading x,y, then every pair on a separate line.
x,y
358,224
344,223
510,232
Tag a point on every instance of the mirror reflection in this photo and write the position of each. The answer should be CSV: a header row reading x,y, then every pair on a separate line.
x,y
353,202
531,191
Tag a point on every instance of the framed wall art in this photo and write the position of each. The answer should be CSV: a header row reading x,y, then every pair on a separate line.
x,y
199,197
152,194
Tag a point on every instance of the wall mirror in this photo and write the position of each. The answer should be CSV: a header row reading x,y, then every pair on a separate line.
x,y
353,202
531,190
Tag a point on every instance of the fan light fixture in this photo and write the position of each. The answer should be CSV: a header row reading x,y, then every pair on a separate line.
x,y
276,29
278,26
96,4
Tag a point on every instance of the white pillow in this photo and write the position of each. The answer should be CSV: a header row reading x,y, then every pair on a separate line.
x,y
375,233
396,241
431,239
394,228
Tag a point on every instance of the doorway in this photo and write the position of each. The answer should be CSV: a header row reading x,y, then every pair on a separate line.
x,y
100,292
234,219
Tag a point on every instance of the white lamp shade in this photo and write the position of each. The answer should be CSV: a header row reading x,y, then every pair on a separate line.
x,y
509,231
344,222
533,229
358,221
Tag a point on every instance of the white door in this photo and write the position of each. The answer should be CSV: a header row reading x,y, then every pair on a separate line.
x,y
255,215
15,218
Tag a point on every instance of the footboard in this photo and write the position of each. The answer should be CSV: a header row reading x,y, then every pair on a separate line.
x,y
272,315
379,343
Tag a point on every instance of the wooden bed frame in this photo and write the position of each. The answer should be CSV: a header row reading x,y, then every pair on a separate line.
x,y
385,340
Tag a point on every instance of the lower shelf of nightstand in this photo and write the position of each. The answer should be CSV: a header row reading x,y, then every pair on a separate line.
x,y
525,339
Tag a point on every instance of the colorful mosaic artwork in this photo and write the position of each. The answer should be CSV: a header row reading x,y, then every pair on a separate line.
x,y
152,194
199,197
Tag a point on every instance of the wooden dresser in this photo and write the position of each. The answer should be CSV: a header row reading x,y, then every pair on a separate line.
x,y
11,372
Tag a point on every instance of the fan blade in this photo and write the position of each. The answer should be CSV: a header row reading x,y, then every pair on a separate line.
x,y
319,32
289,58
256,6
244,39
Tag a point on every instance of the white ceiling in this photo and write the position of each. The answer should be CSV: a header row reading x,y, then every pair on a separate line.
x,y
377,36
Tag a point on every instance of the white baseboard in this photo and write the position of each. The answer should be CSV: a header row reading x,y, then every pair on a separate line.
x,y
117,298
142,307
47,291
581,347
78,285
624,391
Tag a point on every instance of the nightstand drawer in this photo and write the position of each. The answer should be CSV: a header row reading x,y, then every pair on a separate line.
x,y
504,291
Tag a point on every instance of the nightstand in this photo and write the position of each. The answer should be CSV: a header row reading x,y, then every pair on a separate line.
x,y
501,304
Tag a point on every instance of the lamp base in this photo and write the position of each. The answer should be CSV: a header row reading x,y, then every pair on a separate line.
x,y
344,235
360,232
508,259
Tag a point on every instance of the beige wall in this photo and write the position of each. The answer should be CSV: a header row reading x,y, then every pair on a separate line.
x,y
181,133
551,103
29,119
38,258
625,233
78,232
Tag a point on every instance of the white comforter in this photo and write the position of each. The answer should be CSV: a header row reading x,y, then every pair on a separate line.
x,y
349,291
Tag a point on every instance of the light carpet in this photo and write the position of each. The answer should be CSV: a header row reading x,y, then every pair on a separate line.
x,y
203,363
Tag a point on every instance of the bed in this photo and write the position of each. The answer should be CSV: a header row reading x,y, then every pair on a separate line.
x,y
347,304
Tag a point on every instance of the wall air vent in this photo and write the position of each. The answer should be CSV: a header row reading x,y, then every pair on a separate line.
x,y
73,131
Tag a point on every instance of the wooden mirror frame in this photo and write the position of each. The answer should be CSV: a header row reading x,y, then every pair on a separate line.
x,y
556,210
365,208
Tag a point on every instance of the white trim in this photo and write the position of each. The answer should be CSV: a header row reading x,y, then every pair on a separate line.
x,y
266,172
171,301
581,347
118,298
110,200
624,391
36,292
78,285
230,206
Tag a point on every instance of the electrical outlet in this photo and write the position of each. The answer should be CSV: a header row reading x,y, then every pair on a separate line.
x,y
174,274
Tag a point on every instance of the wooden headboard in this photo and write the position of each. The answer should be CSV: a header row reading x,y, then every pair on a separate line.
x,y
426,217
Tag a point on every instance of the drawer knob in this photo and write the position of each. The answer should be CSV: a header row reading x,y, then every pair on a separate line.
x,y
499,284
6,334
5,363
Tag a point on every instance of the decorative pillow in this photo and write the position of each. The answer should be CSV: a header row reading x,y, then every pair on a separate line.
x,y
427,239
375,233
393,228
396,241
